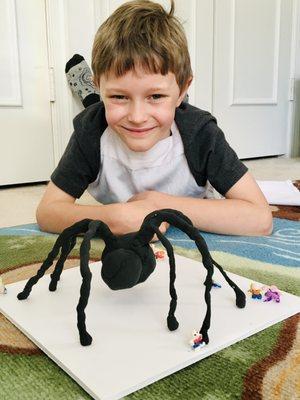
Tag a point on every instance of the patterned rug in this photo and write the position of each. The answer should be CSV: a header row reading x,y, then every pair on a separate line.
x,y
264,366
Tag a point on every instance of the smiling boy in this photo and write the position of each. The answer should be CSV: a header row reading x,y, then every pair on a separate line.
x,y
142,148
140,106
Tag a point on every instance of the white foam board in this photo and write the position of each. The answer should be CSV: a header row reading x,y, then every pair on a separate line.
x,y
132,346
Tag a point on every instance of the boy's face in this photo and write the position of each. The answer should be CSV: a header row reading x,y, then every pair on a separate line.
x,y
140,106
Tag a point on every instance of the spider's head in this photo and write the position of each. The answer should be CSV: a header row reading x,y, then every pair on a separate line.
x,y
124,268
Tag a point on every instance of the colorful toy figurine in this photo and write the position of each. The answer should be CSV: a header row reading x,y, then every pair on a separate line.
x,y
159,254
3,289
256,291
197,340
128,260
272,293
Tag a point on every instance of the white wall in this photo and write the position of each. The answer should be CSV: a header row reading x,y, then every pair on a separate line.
x,y
294,137
78,26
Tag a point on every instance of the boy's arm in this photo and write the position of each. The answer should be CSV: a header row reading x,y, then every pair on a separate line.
x,y
244,211
57,210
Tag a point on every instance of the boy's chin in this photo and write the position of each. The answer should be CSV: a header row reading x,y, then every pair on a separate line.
x,y
140,145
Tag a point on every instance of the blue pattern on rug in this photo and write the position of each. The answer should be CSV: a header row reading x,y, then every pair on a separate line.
x,y
23,230
282,247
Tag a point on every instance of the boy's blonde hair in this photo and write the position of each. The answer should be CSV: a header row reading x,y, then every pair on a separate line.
x,y
142,33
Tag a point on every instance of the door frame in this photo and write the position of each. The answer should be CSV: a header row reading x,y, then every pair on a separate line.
x,y
60,95
293,137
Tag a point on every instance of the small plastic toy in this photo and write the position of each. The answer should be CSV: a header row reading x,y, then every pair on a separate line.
x,y
159,254
271,293
3,289
197,340
256,291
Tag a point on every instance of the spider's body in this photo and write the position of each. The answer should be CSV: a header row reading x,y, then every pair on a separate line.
x,y
124,264
128,260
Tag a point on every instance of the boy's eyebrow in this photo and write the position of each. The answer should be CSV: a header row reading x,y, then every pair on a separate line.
x,y
153,89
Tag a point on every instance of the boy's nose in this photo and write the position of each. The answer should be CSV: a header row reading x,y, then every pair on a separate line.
x,y
137,113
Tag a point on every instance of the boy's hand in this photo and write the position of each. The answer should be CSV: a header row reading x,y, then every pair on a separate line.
x,y
151,200
157,199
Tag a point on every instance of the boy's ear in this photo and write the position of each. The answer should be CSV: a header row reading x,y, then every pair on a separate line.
x,y
184,92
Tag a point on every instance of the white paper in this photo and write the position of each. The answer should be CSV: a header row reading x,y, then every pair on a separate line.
x,y
280,192
132,346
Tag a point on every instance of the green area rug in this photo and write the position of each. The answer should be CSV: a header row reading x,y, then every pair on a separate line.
x,y
264,366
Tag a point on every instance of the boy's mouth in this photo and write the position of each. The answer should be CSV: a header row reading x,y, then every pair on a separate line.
x,y
138,131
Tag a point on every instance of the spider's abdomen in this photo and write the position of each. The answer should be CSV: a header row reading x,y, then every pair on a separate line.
x,y
124,268
121,269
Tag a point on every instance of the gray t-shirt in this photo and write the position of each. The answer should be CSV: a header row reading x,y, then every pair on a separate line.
x,y
208,155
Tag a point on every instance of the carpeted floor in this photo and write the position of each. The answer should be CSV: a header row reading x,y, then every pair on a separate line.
x,y
264,366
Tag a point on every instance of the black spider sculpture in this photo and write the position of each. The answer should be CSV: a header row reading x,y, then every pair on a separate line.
x,y
128,260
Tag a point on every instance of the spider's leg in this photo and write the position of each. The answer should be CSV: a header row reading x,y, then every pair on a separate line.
x,y
206,261
180,221
171,320
209,263
193,233
155,218
65,251
240,295
85,337
60,241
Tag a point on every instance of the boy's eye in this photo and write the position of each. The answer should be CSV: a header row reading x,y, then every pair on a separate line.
x,y
117,97
122,97
157,96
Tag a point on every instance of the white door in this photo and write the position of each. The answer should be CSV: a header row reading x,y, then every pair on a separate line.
x,y
26,147
251,74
